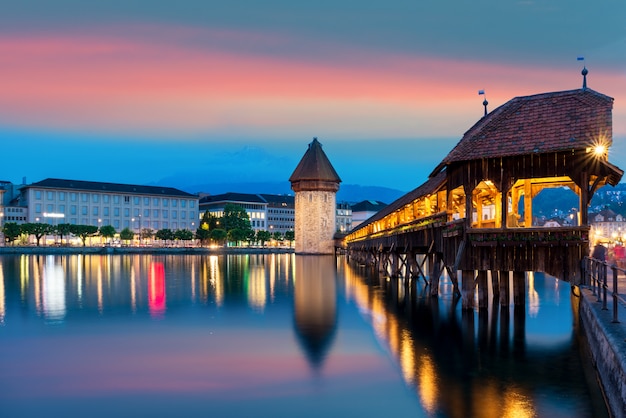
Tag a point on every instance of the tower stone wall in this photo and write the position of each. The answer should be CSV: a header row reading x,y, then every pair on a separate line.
x,y
315,222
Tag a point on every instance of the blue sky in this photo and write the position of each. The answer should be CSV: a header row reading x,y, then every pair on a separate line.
x,y
204,92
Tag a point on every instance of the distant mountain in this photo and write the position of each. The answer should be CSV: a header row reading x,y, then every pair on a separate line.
x,y
352,193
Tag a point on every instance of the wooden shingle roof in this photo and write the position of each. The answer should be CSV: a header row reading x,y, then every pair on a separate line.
x,y
541,123
315,166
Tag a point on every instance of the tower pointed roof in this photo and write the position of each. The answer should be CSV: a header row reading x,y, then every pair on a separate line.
x,y
315,167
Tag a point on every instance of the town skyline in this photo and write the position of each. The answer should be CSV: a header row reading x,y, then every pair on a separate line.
x,y
210,93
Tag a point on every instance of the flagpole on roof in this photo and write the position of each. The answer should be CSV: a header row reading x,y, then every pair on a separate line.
x,y
485,102
584,72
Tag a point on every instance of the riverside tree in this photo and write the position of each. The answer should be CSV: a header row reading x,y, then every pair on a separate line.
x,y
63,230
38,230
84,231
107,232
11,232
127,235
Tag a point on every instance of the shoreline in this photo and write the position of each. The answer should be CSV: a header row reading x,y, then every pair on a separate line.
x,y
28,250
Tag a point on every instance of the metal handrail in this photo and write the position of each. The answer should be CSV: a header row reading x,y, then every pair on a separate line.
x,y
595,275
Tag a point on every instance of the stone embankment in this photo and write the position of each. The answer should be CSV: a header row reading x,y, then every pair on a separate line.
x,y
607,348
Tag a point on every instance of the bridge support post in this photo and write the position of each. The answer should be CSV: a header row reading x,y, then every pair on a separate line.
x,y
435,274
467,296
495,283
519,288
505,297
483,289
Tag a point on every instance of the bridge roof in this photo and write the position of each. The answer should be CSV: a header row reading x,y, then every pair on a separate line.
x,y
315,166
431,185
541,123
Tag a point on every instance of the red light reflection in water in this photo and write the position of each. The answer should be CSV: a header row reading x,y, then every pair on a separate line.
x,y
156,290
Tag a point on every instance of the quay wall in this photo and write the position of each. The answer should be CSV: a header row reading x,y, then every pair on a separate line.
x,y
142,250
607,342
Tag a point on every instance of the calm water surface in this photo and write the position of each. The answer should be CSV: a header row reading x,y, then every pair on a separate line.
x,y
274,336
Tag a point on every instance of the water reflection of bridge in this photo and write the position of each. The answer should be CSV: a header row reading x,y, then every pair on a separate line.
x,y
461,367
474,216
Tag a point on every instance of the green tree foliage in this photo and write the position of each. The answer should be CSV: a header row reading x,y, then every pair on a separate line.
x,y
263,236
146,233
218,235
11,231
63,230
183,235
38,230
107,232
290,236
278,236
165,235
236,235
84,231
235,217
127,235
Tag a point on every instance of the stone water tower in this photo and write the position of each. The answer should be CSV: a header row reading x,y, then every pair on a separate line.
x,y
316,183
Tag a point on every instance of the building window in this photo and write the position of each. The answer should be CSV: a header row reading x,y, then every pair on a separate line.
x,y
84,197
50,195
155,201
116,211
174,202
183,203
136,200
116,223
165,202
84,210
62,196
174,214
49,208
73,209
38,208
95,198
95,211
105,198
73,197
146,213
38,194
135,212
183,214
105,211
116,199
165,226
165,213
155,213
146,201
62,208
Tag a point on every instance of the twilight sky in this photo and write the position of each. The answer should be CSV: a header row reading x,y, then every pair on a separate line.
x,y
198,92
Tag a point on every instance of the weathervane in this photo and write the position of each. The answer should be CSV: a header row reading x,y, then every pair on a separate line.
x,y
485,102
583,72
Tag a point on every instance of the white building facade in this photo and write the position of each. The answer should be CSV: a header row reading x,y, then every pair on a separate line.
x,y
56,201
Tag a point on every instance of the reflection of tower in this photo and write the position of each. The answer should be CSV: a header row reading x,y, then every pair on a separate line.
x,y
315,305
315,182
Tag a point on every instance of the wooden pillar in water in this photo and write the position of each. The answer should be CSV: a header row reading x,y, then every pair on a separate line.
x,y
483,289
495,283
505,291
519,288
435,273
467,301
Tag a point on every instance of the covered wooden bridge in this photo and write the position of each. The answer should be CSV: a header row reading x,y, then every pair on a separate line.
x,y
474,216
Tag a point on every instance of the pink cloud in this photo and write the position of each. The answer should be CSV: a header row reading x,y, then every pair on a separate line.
x,y
180,81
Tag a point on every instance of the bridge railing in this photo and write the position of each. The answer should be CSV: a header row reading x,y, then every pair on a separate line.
x,y
597,274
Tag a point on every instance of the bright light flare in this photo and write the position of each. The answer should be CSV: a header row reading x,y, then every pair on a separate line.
x,y
599,150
